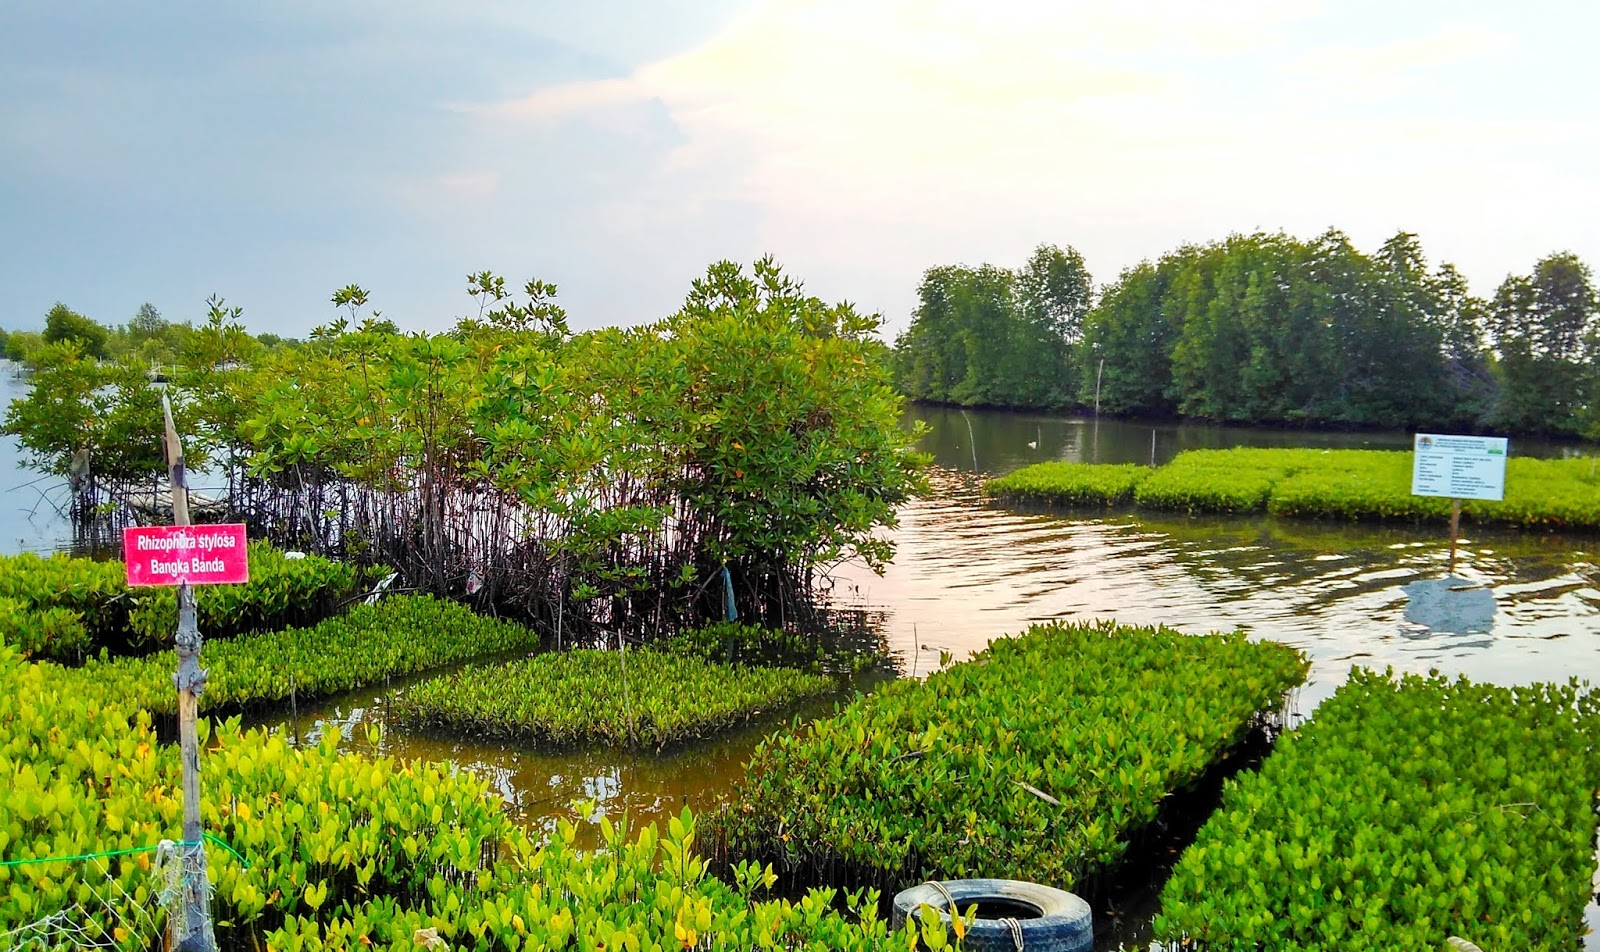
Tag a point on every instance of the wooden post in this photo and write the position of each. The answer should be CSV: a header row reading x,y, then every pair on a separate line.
x,y
1455,530
196,932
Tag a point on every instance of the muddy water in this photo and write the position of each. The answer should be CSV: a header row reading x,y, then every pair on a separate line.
x,y
541,786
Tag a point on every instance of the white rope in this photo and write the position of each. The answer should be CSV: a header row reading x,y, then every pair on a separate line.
x,y
175,867
76,927
946,894
1016,931
59,930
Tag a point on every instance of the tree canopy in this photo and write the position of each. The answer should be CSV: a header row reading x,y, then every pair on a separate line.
x,y
998,337
64,325
1266,328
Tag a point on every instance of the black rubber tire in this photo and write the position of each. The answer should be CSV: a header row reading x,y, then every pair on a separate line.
x,y
1064,923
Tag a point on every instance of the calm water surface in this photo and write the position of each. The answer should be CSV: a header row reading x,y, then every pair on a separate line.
x,y
1520,607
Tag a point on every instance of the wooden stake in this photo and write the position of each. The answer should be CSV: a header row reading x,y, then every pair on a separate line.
x,y
1455,531
190,681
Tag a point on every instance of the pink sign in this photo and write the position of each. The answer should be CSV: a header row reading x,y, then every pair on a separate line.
x,y
199,555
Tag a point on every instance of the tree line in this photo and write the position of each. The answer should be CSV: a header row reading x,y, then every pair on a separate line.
x,y
148,337
1266,328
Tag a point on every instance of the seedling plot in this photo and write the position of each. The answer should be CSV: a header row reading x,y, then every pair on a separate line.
x,y
1404,813
337,847
1036,760
401,635
64,609
1070,484
643,698
1348,485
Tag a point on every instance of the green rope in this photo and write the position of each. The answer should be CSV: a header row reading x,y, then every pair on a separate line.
x,y
134,849
224,844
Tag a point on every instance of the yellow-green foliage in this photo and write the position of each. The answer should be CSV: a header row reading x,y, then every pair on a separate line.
x,y
1033,761
1539,492
647,698
400,635
1406,812
1069,484
1318,484
347,852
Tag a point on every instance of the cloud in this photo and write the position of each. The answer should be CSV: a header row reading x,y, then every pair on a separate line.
x,y
877,137
1387,69
856,97
616,148
476,184
849,120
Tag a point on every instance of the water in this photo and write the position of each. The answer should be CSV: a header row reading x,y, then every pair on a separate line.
x,y
541,786
29,517
1521,606
966,571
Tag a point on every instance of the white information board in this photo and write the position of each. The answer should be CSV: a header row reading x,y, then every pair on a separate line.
x,y
1459,467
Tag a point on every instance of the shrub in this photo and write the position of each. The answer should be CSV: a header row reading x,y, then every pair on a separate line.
x,y
95,592
732,642
400,635
1351,485
648,698
1543,493
1069,484
1354,485
1036,760
49,632
1405,812
281,591
1236,480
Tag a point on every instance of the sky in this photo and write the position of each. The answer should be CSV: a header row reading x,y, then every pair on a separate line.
x,y
271,153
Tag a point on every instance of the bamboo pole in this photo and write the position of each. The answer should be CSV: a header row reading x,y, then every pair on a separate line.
x,y
190,680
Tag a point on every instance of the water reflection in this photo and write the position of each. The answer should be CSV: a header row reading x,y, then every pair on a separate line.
x,y
993,442
541,786
966,572
1447,606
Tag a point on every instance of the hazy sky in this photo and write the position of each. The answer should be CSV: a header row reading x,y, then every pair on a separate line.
x,y
272,152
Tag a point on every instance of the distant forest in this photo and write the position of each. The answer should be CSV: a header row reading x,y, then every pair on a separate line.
x,y
1266,328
